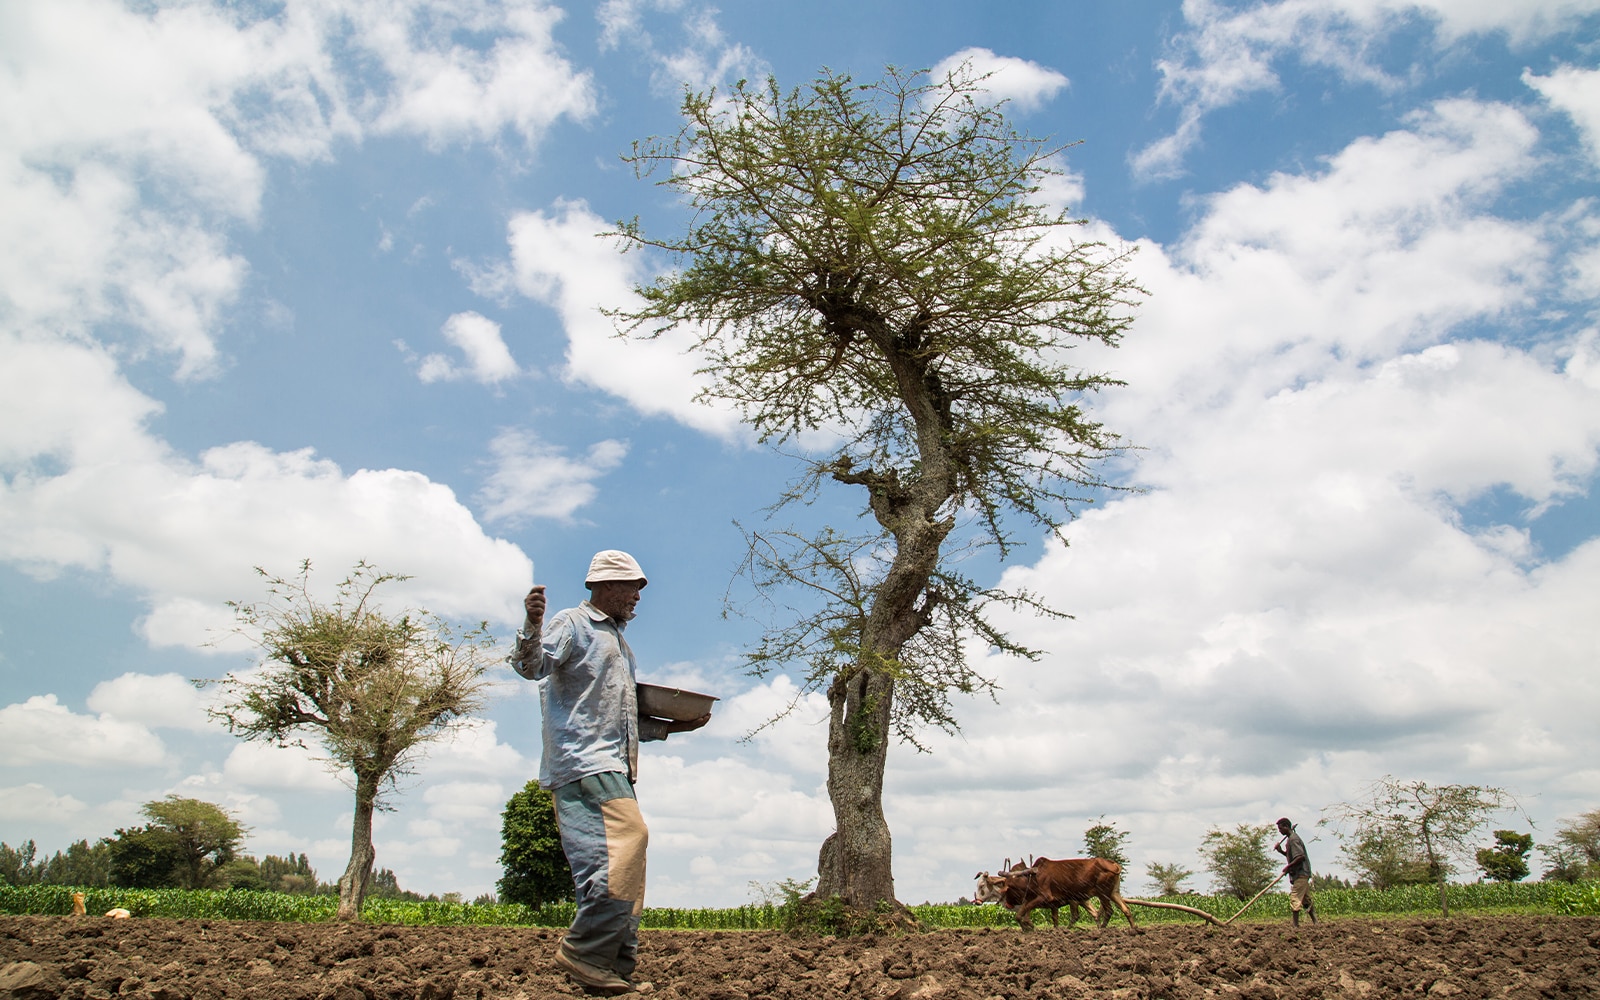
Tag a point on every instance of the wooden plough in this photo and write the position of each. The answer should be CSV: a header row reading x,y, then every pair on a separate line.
x,y
1202,913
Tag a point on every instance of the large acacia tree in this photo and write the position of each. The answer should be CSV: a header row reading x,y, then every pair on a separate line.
x,y
872,265
373,687
1438,823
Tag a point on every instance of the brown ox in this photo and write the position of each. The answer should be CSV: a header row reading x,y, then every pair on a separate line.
x,y
1050,884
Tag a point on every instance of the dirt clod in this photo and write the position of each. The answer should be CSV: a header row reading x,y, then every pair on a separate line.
x,y
1464,959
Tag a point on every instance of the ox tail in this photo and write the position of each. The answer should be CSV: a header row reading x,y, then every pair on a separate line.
x,y
1116,897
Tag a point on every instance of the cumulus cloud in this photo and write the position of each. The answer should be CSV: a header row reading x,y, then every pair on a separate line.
x,y
134,140
1026,85
696,52
1300,601
160,701
1576,92
1381,249
533,479
41,730
473,749
262,766
488,360
91,489
448,91
558,258
1227,52
32,803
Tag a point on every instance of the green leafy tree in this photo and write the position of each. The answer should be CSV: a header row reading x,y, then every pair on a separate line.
x,y
1238,860
147,857
243,873
1104,840
207,836
1442,821
386,886
1167,879
536,869
292,874
84,865
1386,854
872,262
18,865
373,688
1507,860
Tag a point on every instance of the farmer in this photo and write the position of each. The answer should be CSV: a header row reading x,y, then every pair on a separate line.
x,y
592,730
1298,869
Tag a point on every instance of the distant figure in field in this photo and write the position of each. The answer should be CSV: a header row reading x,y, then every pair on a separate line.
x,y
1298,869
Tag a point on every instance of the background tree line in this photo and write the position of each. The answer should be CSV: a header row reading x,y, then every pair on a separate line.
x,y
1403,833
1384,843
186,844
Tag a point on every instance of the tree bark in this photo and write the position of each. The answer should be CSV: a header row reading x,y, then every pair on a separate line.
x,y
357,877
856,861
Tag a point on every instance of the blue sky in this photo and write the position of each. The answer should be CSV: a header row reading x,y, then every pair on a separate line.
x,y
322,280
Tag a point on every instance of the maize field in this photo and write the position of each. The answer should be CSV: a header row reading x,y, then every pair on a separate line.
x,y
1582,899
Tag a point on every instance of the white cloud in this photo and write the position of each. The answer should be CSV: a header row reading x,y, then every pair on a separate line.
x,y
489,361
32,803
186,534
1577,92
1027,85
473,748
533,479
155,700
1386,247
448,91
1230,51
1299,603
700,57
131,142
477,803
558,258
41,730
256,765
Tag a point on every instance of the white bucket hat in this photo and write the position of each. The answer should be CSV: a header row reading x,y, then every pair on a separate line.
x,y
613,564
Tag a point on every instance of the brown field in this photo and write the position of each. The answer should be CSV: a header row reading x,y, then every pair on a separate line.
x,y
1501,956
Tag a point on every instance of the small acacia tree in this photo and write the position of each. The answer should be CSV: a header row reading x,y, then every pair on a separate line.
x,y
373,688
1104,840
1168,879
1441,820
870,265
1238,860
1576,853
535,866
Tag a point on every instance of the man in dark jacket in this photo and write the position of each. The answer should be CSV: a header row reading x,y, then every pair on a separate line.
x,y
1298,869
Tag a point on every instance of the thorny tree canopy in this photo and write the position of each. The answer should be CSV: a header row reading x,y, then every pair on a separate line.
x,y
873,260
373,687
873,265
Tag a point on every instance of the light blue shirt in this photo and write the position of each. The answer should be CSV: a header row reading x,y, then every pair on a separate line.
x,y
587,698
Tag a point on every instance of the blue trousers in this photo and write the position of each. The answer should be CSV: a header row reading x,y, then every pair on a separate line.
x,y
604,837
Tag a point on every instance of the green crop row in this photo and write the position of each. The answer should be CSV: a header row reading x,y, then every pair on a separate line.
x,y
237,904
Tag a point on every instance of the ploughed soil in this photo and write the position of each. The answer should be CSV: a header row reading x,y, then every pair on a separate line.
x,y
1464,957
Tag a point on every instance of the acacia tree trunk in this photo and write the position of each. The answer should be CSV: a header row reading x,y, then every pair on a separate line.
x,y
357,877
856,860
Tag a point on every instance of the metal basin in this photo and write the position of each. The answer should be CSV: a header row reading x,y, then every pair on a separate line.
x,y
673,704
